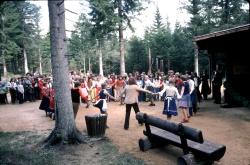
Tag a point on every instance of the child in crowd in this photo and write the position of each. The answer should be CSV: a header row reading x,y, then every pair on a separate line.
x,y
84,94
170,107
102,102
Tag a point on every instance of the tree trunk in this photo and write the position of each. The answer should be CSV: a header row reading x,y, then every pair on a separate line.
x,y
65,129
156,64
4,68
121,40
100,59
227,11
40,61
196,58
149,62
161,65
90,70
168,64
26,68
84,65
248,11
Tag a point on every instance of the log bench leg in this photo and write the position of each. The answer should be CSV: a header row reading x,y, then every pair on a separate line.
x,y
187,159
144,144
190,159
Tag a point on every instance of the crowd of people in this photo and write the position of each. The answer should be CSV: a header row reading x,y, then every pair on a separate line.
x,y
176,90
22,89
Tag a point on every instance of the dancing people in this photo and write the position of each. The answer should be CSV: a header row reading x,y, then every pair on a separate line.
x,y
170,107
131,92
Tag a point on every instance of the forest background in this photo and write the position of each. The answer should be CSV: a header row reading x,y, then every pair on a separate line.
x,y
97,33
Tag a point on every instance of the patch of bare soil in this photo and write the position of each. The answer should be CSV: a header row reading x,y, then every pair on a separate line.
x,y
230,127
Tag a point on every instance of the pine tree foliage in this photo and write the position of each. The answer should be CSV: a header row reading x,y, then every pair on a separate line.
x,y
9,31
19,30
158,20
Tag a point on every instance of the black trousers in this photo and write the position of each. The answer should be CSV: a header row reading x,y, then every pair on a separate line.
x,y
217,94
20,97
128,110
13,95
37,93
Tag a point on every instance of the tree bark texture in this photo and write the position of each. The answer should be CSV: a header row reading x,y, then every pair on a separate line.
x,y
40,61
196,58
100,59
26,68
90,69
121,40
156,64
84,65
149,62
4,65
65,128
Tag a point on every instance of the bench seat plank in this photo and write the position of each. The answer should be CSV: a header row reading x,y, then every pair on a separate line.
x,y
207,150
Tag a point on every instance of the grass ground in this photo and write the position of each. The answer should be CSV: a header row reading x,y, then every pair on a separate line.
x,y
227,126
22,148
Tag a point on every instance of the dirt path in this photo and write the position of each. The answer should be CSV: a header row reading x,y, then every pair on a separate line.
x,y
230,127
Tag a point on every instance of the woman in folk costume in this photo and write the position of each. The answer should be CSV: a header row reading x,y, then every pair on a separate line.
x,y
170,107
52,102
45,103
185,101
91,89
102,102
84,93
119,86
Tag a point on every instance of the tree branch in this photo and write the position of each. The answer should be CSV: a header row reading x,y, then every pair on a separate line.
x,y
71,11
59,3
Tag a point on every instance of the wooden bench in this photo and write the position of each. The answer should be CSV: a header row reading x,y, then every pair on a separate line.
x,y
161,132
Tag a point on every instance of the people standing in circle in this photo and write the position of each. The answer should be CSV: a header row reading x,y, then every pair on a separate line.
x,y
131,92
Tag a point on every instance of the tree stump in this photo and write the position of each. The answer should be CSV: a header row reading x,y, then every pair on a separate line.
x,y
96,124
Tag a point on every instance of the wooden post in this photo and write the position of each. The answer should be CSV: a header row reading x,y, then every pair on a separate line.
x,y
196,58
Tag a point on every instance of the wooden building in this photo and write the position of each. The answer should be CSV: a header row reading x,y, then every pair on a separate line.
x,y
229,49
